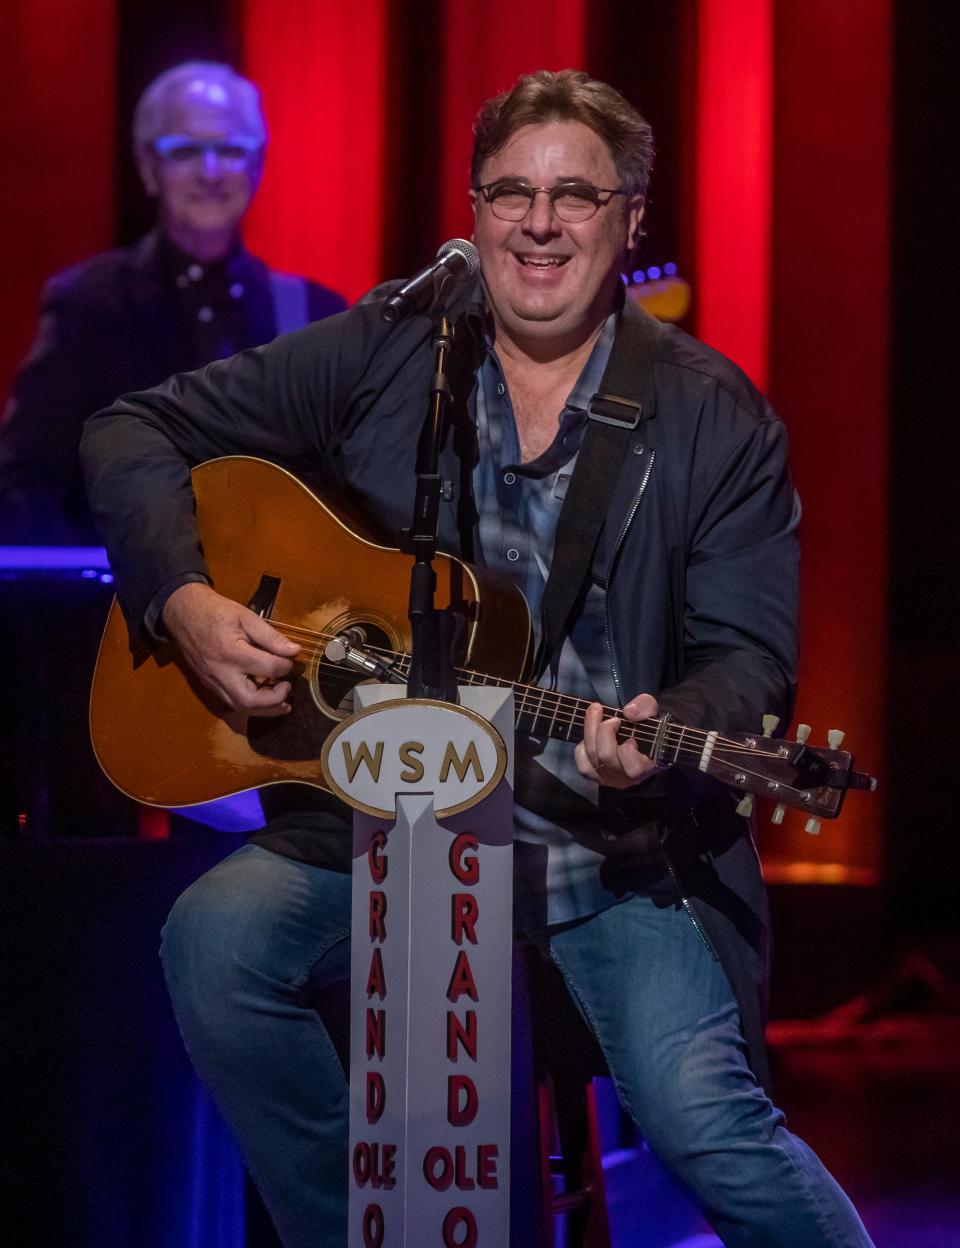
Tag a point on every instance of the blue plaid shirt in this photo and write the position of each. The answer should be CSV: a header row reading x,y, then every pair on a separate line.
x,y
556,810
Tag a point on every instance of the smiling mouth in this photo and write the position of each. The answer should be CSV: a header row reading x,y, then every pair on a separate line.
x,y
541,262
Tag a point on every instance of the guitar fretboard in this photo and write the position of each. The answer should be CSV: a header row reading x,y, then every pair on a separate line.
x,y
544,713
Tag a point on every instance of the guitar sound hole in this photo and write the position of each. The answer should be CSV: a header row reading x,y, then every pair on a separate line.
x,y
332,685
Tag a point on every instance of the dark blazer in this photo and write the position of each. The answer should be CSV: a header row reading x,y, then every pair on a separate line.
x,y
108,325
698,552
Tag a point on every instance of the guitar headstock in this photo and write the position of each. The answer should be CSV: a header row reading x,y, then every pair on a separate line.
x,y
792,773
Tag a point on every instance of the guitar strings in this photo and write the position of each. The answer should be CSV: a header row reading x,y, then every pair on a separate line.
x,y
644,731
567,708
637,730
569,712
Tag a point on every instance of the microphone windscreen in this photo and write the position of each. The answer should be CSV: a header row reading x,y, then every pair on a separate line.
x,y
465,249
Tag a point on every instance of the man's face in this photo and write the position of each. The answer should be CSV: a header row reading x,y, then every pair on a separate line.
x,y
549,279
208,192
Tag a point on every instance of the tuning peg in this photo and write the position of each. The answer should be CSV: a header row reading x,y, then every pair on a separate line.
x,y
779,811
812,826
803,732
835,738
769,723
745,805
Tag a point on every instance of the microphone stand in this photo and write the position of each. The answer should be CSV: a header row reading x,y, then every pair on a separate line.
x,y
431,663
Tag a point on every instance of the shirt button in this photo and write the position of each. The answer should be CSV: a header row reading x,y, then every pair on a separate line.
x,y
195,272
236,290
509,478
205,315
513,555
501,388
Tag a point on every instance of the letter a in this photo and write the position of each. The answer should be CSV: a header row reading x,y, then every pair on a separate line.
x,y
462,981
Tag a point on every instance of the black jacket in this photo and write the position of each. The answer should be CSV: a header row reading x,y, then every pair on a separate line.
x,y
108,325
698,551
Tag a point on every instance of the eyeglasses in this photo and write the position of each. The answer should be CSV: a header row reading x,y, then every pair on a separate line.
x,y
571,201
236,152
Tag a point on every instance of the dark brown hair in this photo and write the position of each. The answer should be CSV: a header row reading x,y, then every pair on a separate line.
x,y
569,95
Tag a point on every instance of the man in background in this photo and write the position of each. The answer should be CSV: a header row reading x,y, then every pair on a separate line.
x,y
185,294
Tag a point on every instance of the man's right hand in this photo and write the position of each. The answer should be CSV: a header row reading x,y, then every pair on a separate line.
x,y
233,650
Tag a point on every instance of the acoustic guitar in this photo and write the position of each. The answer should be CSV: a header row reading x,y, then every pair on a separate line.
x,y
165,739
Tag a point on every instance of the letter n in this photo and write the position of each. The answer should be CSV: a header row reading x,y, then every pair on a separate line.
x,y
376,1032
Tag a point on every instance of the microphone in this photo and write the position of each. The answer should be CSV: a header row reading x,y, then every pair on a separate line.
x,y
457,262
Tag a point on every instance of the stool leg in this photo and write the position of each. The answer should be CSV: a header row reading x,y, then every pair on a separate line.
x,y
588,1224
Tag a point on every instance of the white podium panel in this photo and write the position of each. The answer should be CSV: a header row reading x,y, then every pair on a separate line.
x,y
431,968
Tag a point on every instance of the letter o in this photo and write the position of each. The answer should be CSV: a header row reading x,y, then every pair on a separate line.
x,y
372,1226
456,1218
361,1164
442,1180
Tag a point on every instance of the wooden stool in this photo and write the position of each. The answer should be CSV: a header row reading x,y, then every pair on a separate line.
x,y
562,1058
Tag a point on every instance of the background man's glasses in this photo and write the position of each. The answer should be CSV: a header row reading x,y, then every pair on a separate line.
x,y
571,201
236,152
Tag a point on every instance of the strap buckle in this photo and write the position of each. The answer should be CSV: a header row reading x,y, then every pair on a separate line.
x,y
611,409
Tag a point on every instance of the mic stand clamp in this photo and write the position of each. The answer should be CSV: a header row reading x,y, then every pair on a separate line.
x,y
431,662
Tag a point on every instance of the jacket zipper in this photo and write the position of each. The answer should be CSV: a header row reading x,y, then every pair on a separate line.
x,y
684,900
613,564
689,909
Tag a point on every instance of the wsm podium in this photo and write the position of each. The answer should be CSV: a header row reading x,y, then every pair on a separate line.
x,y
431,785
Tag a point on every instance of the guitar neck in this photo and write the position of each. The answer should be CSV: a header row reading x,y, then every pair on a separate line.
x,y
810,779
544,713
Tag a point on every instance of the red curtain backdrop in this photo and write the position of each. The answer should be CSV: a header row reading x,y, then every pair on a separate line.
x,y
486,46
829,374
322,70
734,124
57,118
792,229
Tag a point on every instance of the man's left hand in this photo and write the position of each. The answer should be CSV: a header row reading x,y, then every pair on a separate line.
x,y
602,758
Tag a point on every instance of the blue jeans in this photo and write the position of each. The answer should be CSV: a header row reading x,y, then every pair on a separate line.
x,y
249,945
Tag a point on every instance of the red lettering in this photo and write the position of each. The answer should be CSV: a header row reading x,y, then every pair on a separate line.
x,y
456,1219
361,1164
438,1168
487,1155
463,1035
467,870
462,1100
372,1225
376,861
378,912
376,981
372,1166
376,1032
376,1096
461,1178
389,1166
462,981
465,914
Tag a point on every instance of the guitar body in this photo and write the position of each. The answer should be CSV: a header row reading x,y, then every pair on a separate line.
x,y
166,740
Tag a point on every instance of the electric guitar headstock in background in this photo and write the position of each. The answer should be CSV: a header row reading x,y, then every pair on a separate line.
x,y
660,290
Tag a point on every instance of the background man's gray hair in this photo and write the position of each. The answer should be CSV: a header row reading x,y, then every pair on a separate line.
x,y
149,118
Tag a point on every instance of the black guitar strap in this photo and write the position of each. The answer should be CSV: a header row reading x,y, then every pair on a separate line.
x,y
625,399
